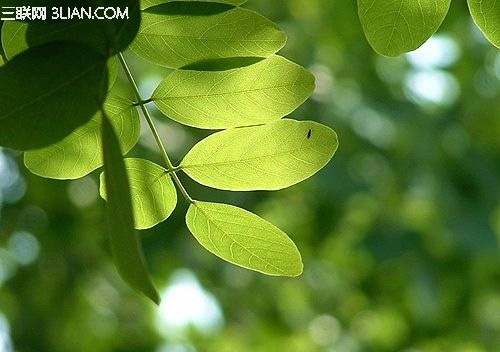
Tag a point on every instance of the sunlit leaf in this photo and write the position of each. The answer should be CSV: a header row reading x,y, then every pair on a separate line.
x,y
266,157
486,14
153,193
242,238
177,34
125,243
42,86
149,3
80,153
250,95
396,27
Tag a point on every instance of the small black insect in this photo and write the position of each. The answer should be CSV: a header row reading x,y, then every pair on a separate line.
x,y
309,133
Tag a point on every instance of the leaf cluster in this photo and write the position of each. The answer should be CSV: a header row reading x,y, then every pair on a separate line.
x,y
61,109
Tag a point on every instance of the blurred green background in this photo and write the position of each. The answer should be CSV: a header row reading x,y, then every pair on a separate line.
x,y
399,232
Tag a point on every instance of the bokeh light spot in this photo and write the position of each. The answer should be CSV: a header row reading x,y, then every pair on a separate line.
x,y
24,247
325,330
83,192
432,87
440,51
186,304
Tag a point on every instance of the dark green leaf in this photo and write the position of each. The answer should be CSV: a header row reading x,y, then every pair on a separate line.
x,y
107,36
48,91
125,243
15,42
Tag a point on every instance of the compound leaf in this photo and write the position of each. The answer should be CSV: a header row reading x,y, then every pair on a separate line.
x,y
243,238
81,152
396,27
153,193
149,3
124,240
244,96
266,157
486,14
178,34
48,91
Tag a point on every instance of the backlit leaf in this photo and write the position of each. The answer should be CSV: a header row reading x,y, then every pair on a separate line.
x,y
80,153
153,193
396,27
124,240
486,14
48,91
266,157
178,34
250,95
243,238
149,3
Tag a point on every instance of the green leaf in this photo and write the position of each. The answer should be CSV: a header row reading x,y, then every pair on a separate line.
x,y
107,36
14,43
486,14
42,86
242,238
396,27
178,34
149,3
81,153
266,157
125,243
153,193
250,95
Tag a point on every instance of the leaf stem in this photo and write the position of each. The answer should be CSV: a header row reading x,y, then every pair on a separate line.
x,y
147,116
143,102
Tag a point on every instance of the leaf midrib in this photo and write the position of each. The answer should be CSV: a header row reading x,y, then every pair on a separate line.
x,y
227,93
247,159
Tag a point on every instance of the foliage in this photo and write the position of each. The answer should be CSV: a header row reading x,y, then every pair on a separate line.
x,y
399,238
227,76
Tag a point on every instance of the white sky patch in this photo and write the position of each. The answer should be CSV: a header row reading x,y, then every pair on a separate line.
x,y
185,304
